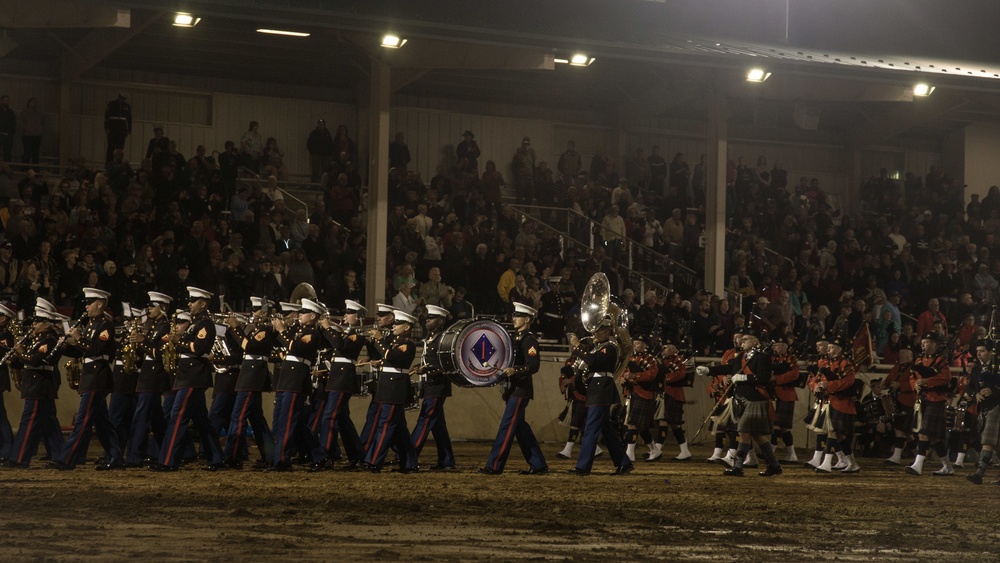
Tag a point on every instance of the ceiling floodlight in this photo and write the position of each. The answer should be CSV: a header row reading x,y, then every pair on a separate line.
x,y
284,32
184,19
580,60
393,42
923,89
757,75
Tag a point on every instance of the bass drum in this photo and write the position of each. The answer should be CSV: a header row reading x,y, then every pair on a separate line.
x,y
474,352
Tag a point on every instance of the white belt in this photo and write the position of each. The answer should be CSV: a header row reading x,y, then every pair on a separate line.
x,y
150,359
553,315
254,358
95,359
298,359
189,356
602,374
395,370
119,363
343,361
122,118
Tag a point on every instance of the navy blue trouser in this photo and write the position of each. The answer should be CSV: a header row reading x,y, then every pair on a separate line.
x,y
189,406
121,412
512,426
248,410
92,414
599,424
390,430
337,419
290,425
148,415
38,421
6,432
431,421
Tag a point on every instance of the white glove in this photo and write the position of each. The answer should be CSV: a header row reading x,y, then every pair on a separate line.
x,y
739,378
701,370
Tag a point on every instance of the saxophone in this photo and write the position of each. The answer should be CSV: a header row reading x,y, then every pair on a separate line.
x,y
130,352
74,369
169,353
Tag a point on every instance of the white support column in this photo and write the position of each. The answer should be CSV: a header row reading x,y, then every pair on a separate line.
x,y
378,182
715,200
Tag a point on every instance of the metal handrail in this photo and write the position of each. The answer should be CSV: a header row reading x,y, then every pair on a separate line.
x,y
563,237
244,171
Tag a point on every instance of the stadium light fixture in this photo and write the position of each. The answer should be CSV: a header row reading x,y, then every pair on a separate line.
x,y
757,75
923,89
184,19
580,59
390,41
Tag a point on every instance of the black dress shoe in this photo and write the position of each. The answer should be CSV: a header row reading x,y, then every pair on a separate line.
x,y
771,471
578,472
353,466
533,471
324,465
488,471
111,466
9,463
975,478
58,465
440,467
213,467
280,468
234,465
373,468
734,472
624,470
160,468
133,465
406,470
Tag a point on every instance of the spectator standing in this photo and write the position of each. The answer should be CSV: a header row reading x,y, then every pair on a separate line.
x,y
32,127
320,147
399,154
8,126
570,162
252,148
522,168
468,154
657,172
342,143
117,124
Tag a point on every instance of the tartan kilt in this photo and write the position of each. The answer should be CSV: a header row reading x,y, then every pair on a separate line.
x,y
932,420
640,412
578,414
903,420
990,423
784,413
673,411
842,422
756,418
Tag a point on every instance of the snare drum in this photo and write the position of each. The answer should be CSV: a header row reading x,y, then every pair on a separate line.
x,y
872,410
366,382
955,418
474,352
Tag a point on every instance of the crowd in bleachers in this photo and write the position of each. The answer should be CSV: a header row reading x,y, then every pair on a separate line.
x,y
221,220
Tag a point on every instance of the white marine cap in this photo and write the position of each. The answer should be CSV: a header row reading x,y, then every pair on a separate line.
x,y
184,317
157,297
7,311
45,304
94,293
50,315
435,311
354,307
198,293
257,301
287,307
310,306
522,309
384,309
401,317
555,279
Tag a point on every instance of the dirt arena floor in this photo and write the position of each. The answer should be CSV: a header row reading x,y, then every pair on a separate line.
x,y
664,510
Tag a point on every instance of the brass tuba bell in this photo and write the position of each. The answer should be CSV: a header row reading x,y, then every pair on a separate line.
x,y
595,304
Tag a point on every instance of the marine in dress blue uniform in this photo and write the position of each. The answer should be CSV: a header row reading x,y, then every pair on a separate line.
x,y
434,387
94,344
518,390
392,395
122,401
343,383
194,376
39,386
227,371
7,316
152,382
294,385
253,380
601,395
383,323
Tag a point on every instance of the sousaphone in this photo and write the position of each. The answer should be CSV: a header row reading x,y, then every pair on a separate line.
x,y
595,305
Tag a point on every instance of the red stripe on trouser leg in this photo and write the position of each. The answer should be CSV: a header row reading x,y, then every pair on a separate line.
x,y
509,436
177,426
385,427
24,443
83,429
333,422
